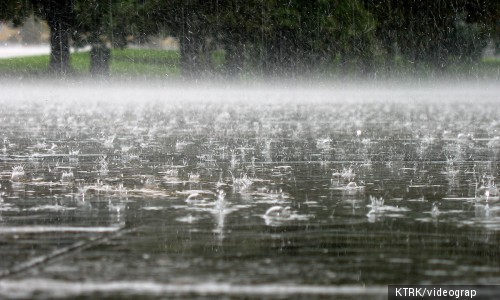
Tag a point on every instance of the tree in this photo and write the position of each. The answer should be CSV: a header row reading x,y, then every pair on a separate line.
x,y
15,11
233,25
59,16
304,36
190,22
486,16
277,37
105,24
433,31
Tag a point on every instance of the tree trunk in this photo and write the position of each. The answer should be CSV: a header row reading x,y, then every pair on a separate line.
x,y
271,58
189,56
190,43
100,57
59,47
59,16
345,58
234,57
367,59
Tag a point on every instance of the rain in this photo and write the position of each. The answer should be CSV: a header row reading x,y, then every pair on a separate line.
x,y
247,150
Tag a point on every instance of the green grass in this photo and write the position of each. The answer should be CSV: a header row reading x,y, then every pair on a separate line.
x,y
145,62
125,63
33,65
150,63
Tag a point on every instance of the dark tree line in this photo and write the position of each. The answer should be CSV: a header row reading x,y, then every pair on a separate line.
x,y
435,31
272,37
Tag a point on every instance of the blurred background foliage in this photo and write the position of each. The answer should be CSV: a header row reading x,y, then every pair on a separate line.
x,y
271,37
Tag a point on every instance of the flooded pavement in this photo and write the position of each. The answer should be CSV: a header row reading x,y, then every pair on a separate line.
x,y
121,192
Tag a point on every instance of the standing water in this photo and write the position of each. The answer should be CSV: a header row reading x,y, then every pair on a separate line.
x,y
160,193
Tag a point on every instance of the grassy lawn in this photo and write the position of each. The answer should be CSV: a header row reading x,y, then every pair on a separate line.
x,y
142,62
151,63
126,63
31,65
